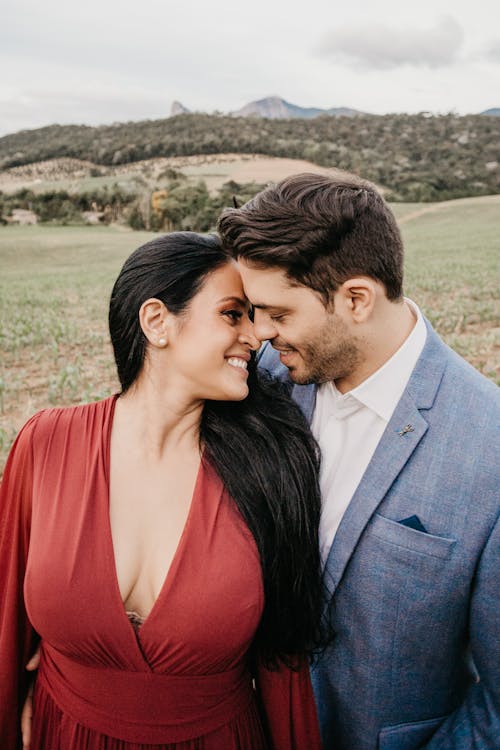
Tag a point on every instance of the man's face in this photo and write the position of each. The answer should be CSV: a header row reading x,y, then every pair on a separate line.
x,y
314,342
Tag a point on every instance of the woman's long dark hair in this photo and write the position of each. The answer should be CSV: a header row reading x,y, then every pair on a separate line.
x,y
261,447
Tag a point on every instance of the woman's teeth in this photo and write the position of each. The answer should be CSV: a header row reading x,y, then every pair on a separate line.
x,y
236,362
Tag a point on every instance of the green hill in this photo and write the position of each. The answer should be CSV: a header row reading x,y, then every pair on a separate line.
x,y
415,157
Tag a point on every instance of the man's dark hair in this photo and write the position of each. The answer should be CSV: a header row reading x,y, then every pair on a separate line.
x,y
321,230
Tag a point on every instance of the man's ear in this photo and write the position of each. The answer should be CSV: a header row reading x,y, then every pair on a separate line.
x,y
154,319
358,296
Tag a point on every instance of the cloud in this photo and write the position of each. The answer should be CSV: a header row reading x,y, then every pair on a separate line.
x,y
383,47
492,52
97,104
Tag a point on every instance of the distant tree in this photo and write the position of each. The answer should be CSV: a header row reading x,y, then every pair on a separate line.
x,y
135,219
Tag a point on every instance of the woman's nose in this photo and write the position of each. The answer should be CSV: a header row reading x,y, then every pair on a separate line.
x,y
247,336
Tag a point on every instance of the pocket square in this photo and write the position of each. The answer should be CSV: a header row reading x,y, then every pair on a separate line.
x,y
414,522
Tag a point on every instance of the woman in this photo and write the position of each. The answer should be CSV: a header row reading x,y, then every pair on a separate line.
x,y
167,537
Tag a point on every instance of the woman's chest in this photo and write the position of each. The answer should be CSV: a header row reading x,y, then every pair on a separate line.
x,y
207,609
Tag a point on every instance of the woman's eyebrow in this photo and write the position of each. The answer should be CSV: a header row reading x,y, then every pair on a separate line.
x,y
233,298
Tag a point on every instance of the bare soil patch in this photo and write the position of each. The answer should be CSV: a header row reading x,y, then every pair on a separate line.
x,y
215,169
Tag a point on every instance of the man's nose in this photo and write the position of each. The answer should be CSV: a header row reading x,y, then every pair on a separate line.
x,y
264,328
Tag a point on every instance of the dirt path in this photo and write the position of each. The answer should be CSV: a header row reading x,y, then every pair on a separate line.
x,y
431,208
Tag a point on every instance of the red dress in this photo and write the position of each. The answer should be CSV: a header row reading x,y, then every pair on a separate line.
x,y
182,680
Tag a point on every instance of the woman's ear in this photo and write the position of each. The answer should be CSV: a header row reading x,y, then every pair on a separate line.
x,y
153,317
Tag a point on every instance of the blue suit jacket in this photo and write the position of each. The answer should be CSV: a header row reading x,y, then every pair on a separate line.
x,y
416,611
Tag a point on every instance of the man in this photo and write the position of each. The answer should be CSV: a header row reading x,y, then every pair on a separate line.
x,y
409,533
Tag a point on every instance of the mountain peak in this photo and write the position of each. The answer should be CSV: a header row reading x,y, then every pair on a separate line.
x,y
272,107
178,109
275,107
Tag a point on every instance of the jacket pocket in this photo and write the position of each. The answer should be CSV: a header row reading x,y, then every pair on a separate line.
x,y
404,536
408,736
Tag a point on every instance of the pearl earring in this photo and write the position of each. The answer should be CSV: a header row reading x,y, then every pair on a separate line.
x,y
162,342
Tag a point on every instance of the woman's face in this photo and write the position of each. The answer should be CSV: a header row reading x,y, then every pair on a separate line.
x,y
210,346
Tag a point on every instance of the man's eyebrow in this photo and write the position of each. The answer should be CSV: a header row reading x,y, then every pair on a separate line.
x,y
262,306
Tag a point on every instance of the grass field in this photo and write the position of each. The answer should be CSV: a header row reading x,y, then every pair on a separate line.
x,y
55,284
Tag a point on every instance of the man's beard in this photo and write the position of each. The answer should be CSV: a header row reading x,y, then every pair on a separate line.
x,y
331,355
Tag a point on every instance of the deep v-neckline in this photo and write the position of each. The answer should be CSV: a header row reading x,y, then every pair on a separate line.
x,y
109,536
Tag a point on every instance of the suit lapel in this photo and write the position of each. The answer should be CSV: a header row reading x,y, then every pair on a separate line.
x,y
401,437
392,453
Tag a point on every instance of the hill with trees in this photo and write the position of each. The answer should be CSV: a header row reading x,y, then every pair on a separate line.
x,y
414,157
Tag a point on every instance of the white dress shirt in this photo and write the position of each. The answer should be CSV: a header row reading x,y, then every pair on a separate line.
x,y
348,428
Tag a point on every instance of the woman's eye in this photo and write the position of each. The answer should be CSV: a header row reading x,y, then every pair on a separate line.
x,y
234,315
276,318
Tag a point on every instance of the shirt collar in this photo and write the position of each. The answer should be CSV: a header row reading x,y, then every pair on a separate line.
x,y
382,390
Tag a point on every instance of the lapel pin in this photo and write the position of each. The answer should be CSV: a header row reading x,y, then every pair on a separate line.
x,y
406,429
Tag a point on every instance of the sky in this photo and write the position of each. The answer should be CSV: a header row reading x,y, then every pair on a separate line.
x,y
104,61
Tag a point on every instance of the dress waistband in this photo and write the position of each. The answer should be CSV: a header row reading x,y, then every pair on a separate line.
x,y
143,707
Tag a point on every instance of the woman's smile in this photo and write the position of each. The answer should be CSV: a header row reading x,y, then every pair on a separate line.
x,y
240,363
